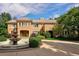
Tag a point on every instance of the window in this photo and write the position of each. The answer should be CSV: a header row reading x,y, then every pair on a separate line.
x,y
14,25
23,24
36,25
20,24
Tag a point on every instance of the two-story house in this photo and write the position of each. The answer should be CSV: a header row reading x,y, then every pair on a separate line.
x,y
25,27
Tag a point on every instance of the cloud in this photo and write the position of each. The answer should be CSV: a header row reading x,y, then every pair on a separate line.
x,y
14,9
21,9
76,5
56,15
38,9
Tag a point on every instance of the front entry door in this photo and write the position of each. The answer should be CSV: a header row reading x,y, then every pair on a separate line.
x,y
24,33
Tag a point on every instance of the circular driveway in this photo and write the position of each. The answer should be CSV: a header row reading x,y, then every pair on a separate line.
x,y
48,48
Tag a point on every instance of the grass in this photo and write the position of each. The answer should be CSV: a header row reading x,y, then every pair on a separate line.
x,y
55,38
51,39
63,39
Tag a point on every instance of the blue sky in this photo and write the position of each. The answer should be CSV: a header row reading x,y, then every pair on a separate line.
x,y
36,10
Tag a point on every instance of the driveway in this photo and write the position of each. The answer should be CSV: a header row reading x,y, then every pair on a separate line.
x,y
48,48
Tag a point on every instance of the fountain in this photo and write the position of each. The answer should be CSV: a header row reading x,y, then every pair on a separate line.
x,y
13,42
14,38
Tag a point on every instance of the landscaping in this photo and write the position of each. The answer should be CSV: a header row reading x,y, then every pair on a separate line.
x,y
34,42
68,25
2,38
4,17
67,28
55,38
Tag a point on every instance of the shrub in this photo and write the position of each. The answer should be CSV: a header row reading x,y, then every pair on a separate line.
x,y
47,35
34,42
3,38
41,33
41,36
8,35
39,39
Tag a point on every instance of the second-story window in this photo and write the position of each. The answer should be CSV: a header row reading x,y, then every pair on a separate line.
x,y
23,24
20,24
14,25
36,25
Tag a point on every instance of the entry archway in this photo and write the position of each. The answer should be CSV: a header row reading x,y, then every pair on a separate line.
x,y
24,33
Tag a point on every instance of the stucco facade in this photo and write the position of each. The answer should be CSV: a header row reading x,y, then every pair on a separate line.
x,y
25,27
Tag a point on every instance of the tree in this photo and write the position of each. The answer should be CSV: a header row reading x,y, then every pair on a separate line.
x,y
69,23
4,17
57,30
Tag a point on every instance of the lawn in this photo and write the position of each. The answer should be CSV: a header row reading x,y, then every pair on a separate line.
x,y
63,39
55,38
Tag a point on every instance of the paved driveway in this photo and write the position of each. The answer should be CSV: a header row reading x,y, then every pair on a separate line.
x,y
48,48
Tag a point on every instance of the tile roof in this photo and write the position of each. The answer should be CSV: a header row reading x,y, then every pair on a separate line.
x,y
33,21
12,21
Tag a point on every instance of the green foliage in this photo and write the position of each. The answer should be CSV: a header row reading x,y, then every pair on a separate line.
x,y
2,38
57,31
41,33
34,42
41,36
56,39
4,17
69,23
47,35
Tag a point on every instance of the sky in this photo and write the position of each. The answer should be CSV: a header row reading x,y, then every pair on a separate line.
x,y
36,10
